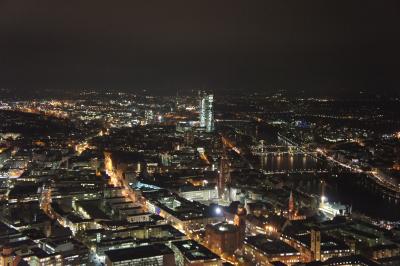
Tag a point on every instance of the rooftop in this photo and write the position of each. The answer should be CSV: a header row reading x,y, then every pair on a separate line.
x,y
270,246
138,252
351,260
194,251
327,243
223,227
180,207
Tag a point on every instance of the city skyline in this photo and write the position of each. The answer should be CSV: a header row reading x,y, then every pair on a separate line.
x,y
108,178
199,133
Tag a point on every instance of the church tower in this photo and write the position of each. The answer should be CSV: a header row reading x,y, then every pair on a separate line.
x,y
291,206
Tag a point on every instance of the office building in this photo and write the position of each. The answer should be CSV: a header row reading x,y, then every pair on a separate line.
x,y
262,250
189,252
206,111
157,254
223,238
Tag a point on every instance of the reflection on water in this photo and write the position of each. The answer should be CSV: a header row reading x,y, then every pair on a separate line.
x,y
347,190
287,162
340,187
344,188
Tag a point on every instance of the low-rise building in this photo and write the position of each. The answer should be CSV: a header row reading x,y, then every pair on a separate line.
x,y
157,254
263,250
190,253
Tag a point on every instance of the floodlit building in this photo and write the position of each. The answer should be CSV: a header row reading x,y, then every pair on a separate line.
x,y
315,244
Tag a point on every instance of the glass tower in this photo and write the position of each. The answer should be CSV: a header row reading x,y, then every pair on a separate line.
x,y
206,111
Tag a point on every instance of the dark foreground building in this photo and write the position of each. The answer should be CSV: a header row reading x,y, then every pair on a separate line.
x,y
157,254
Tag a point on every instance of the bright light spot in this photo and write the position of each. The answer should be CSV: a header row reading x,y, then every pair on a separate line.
x,y
269,228
323,199
218,210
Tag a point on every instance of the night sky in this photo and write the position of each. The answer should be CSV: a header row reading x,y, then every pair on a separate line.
x,y
164,45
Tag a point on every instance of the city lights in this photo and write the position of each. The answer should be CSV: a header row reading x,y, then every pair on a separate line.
x,y
199,133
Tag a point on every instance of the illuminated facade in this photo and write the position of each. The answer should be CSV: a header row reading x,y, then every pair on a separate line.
x,y
223,238
148,117
316,244
224,177
7,257
293,213
331,210
206,112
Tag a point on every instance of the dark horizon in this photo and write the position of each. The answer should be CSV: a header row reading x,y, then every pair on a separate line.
x,y
314,46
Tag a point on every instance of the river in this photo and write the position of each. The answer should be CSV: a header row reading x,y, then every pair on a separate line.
x,y
345,188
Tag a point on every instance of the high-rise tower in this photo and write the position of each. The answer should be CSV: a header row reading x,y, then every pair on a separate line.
x,y
224,177
206,111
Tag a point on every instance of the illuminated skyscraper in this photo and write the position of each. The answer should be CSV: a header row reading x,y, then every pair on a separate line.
x,y
148,117
224,177
206,111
